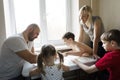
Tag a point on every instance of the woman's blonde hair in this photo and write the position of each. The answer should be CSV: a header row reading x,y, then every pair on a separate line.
x,y
86,9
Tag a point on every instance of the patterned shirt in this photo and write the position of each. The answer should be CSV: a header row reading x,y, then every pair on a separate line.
x,y
52,73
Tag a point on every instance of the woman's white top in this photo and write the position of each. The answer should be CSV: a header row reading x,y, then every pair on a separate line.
x,y
90,30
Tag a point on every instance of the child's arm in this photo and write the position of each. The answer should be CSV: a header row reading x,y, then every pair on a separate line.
x,y
84,49
65,68
88,69
75,53
34,72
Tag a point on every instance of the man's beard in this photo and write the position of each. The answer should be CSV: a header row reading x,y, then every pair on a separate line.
x,y
30,39
30,36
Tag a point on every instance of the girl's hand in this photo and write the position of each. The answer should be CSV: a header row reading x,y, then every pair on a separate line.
x,y
65,54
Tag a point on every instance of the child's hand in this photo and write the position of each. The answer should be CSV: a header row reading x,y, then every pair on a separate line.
x,y
85,55
96,56
65,54
75,61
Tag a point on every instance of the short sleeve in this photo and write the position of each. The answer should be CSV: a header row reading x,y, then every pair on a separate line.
x,y
16,44
105,62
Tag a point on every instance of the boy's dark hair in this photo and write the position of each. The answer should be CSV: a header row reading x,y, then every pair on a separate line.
x,y
69,35
113,34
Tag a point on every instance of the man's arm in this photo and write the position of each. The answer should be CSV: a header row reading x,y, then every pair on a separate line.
x,y
32,50
27,55
35,71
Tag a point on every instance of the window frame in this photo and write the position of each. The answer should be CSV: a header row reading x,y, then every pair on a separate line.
x,y
43,35
44,23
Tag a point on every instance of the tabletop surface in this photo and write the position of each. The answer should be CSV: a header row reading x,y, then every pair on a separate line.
x,y
67,61
86,60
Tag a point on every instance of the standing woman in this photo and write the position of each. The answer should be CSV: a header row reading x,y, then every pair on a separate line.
x,y
93,27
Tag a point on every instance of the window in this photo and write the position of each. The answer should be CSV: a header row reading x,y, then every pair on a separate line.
x,y
55,17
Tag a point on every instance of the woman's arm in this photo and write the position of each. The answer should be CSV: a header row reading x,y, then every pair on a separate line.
x,y
88,69
97,29
81,34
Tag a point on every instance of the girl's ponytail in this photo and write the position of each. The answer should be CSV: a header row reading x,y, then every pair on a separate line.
x,y
61,59
40,64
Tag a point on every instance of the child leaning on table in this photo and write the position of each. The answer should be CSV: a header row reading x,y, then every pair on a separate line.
x,y
111,60
46,64
78,48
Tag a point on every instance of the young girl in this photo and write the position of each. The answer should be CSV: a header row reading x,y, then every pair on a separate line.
x,y
46,64
111,60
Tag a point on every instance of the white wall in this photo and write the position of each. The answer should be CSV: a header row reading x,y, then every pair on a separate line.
x,y
109,10
2,23
84,2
